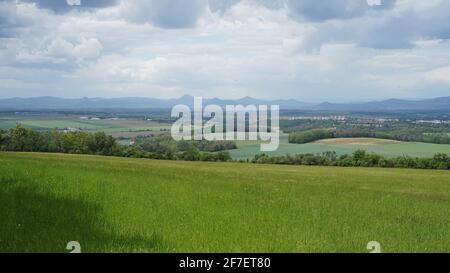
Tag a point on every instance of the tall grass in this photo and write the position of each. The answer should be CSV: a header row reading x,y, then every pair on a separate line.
x,y
129,205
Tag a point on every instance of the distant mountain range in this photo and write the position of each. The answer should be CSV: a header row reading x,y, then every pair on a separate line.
x,y
438,104
53,103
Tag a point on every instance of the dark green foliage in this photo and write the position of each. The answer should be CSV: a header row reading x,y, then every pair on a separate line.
x,y
415,135
21,139
215,146
190,154
310,136
164,147
359,158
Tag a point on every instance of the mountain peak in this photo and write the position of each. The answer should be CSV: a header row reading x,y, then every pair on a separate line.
x,y
186,96
247,98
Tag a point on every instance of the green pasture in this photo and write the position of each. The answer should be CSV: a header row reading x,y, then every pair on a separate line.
x,y
129,205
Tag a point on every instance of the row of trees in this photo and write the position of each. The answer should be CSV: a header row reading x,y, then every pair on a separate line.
x,y
401,135
21,139
26,140
191,154
214,146
318,134
164,147
359,158
310,136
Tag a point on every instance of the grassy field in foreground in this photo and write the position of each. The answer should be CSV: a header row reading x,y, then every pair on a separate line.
x,y
119,204
342,146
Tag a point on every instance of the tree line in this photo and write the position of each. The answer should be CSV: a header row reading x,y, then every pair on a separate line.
x,y
359,158
163,146
21,139
318,134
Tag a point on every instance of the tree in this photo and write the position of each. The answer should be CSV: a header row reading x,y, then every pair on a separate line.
x,y
25,140
134,152
441,161
102,144
223,156
358,157
4,140
191,154
310,136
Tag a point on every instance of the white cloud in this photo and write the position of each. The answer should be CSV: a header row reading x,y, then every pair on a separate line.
x,y
61,51
440,75
87,49
213,48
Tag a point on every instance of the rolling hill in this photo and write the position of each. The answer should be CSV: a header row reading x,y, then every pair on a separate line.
x,y
53,103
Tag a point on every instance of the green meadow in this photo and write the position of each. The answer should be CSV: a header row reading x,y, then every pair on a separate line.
x,y
112,204
248,149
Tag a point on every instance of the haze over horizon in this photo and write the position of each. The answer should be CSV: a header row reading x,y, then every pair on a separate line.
x,y
231,99
310,51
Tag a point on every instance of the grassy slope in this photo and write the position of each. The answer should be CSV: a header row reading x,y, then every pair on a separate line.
x,y
119,204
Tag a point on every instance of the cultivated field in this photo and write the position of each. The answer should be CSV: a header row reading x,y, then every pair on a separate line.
x,y
389,148
119,204
124,127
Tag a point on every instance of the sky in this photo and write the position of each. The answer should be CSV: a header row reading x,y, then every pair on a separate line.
x,y
309,50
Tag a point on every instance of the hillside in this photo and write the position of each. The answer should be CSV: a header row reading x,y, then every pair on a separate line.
x,y
116,204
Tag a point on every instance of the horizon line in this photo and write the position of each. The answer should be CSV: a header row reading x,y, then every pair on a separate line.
x,y
236,99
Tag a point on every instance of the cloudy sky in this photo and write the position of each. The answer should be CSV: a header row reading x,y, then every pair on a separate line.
x,y
328,50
